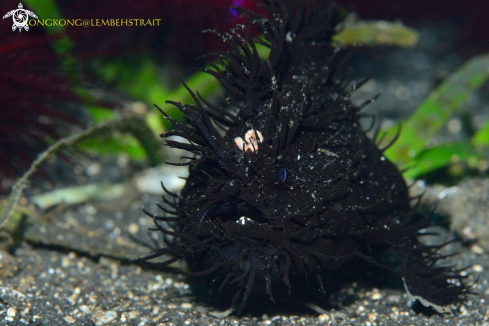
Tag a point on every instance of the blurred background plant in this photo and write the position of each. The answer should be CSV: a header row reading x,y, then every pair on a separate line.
x,y
61,81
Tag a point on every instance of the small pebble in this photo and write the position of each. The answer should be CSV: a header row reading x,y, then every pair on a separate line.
x,y
372,316
376,296
65,262
469,233
133,228
477,250
69,319
11,312
186,305
324,318
478,268
133,314
221,314
90,209
84,308
103,317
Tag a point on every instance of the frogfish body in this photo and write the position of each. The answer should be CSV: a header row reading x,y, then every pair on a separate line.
x,y
294,186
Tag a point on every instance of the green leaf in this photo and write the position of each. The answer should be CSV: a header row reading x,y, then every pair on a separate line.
x,y
79,195
263,51
376,33
482,136
434,112
99,114
46,9
115,144
440,156
141,80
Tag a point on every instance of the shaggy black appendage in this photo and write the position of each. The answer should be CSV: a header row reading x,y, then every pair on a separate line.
x,y
294,186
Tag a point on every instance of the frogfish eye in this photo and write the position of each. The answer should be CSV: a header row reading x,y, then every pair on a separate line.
x,y
281,174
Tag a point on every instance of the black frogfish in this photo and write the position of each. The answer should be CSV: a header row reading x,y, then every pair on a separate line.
x,y
294,187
